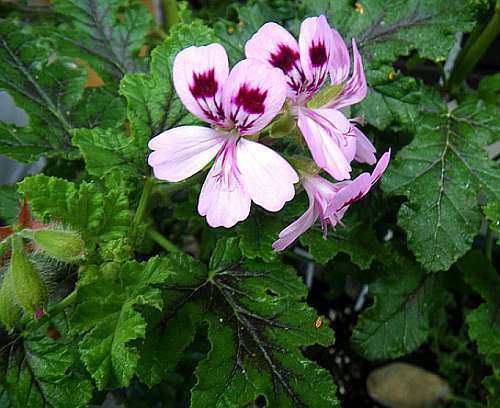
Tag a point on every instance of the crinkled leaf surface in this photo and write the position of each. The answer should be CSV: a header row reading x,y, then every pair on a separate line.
x,y
40,371
100,216
108,319
109,34
153,105
257,323
400,319
46,85
355,239
440,172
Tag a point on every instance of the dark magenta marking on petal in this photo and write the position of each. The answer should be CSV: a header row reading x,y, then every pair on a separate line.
x,y
204,85
251,99
284,58
317,53
353,199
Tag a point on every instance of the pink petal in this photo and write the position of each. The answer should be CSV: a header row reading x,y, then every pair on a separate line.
x,y
365,151
322,190
274,45
253,95
296,228
355,89
183,151
352,192
315,44
223,197
340,62
380,167
199,74
267,177
325,150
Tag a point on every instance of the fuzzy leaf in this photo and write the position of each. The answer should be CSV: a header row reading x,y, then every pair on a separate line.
x,y
47,86
108,319
440,172
153,105
400,319
109,34
99,216
107,149
41,372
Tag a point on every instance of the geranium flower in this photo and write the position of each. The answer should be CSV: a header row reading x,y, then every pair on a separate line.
x,y
320,51
238,104
329,202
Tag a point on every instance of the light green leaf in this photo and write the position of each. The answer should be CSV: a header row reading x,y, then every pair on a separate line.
x,y
108,319
108,34
105,150
401,317
42,372
440,172
99,216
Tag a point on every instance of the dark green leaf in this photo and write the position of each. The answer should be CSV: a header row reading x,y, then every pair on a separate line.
x,y
46,85
44,372
356,240
109,34
9,204
401,316
440,172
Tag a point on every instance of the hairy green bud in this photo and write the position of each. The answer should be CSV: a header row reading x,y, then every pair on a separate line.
x,y
10,312
325,96
30,290
65,246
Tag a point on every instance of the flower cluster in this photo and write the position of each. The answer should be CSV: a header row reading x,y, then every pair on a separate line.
x,y
278,75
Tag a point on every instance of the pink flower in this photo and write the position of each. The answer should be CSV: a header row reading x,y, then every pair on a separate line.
x,y
320,51
237,104
329,202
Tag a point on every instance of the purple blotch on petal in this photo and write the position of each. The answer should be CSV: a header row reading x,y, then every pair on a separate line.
x,y
251,99
317,53
285,58
205,85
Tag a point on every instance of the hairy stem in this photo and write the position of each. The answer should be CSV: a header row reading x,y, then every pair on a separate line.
x,y
142,207
473,51
162,241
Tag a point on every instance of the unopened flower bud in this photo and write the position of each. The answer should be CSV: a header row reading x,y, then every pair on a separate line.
x,y
29,288
10,312
65,246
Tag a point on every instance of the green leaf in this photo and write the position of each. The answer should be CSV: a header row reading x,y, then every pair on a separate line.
x,y
257,235
393,99
46,85
107,316
250,18
44,372
492,213
440,172
387,29
105,150
9,204
399,321
153,105
356,240
99,216
108,34
258,323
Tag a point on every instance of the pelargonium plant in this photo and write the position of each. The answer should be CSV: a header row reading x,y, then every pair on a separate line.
x,y
249,204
